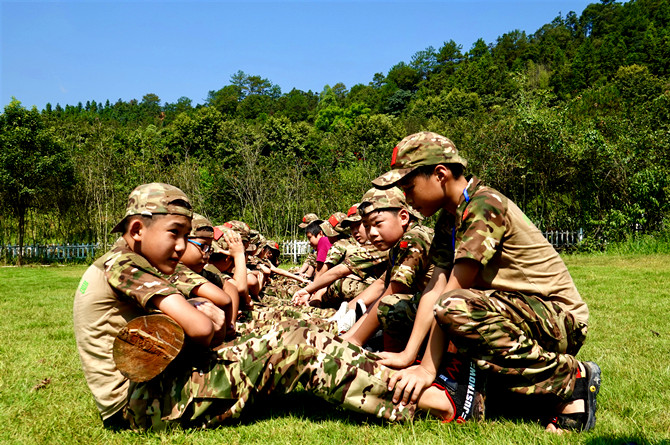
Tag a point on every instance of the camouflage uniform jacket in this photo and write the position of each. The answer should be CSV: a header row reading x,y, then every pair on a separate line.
x,y
408,261
118,287
514,255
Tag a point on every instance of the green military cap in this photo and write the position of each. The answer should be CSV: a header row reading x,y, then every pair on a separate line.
x,y
156,199
384,199
308,218
201,227
425,148
328,226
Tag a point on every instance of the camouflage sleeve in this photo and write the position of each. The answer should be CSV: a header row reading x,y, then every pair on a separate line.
x,y
186,280
442,248
337,252
409,256
363,258
133,276
482,227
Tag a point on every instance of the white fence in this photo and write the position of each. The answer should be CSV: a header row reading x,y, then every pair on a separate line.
x,y
294,249
50,252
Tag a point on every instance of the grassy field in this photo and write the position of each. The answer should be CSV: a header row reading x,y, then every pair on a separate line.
x,y
44,399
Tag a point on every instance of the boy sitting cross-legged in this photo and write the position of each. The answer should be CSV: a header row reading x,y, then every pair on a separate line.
x,y
391,224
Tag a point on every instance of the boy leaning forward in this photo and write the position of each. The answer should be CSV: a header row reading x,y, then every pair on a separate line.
x,y
500,292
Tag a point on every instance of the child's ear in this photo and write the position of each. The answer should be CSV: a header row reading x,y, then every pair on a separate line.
x,y
403,214
442,173
136,229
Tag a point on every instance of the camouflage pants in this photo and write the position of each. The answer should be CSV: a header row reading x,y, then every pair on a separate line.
x,y
529,342
272,360
343,289
396,314
279,311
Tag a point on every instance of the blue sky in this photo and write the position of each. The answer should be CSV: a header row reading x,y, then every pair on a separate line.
x,y
67,52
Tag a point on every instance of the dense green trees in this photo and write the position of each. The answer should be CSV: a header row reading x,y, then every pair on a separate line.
x,y
571,121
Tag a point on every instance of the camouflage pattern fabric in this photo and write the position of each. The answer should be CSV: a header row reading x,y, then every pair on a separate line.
x,y
275,360
396,314
408,262
425,148
132,275
528,341
391,198
154,199
344,289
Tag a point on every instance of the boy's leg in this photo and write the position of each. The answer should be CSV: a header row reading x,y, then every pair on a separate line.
x,y
396,314
276,361
531,343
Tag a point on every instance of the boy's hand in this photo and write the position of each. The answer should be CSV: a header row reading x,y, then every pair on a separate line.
x,y
235,246
409,383
397,360
216,316
301,297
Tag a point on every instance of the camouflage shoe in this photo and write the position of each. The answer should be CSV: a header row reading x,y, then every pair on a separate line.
x,y
390,198
425,148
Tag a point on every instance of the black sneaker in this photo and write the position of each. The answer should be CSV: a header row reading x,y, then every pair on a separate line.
x,y
464,384
587,387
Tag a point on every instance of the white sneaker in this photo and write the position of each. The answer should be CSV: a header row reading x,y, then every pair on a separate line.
x,y
340,312
346,321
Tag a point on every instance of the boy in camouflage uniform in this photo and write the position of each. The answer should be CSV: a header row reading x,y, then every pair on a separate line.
x,y
391,224
201,388
500,292
351,269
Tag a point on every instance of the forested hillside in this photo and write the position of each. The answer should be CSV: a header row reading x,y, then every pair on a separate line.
x,y
572,122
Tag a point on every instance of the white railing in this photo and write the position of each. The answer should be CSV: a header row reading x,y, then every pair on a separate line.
x,y
50,251
295,249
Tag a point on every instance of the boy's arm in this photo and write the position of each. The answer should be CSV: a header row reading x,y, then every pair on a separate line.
x,y
462,277
322,281
411,381
196,325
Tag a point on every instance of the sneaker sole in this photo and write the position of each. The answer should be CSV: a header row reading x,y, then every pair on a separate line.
x,y
593,373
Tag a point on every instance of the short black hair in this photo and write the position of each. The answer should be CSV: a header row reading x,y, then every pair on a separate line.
x,y
314,228
427,170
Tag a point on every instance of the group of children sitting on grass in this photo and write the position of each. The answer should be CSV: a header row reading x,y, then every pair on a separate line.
x,y
186,322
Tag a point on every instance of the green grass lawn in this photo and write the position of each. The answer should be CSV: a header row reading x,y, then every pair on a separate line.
x,y
44,399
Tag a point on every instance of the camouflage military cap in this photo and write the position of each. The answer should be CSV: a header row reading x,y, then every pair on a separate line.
x,y
425,148
310,217
201,227
352,217
219,244
240,227
272,245
328,226
156,199
385,199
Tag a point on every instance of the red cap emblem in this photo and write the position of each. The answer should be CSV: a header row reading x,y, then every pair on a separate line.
x,y
394,156
403,244
333,220
352,210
